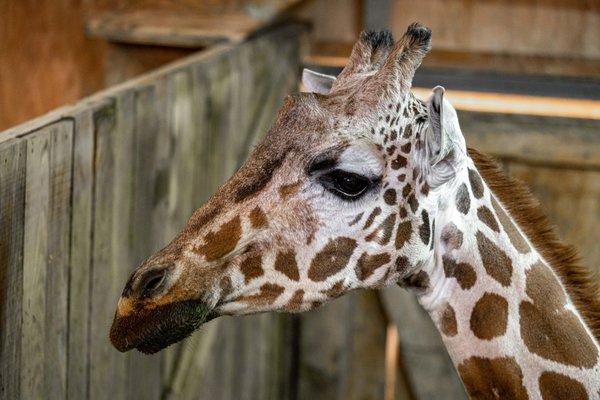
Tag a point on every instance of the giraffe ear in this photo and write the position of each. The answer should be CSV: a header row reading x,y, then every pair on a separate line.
x,y
316,82
445,147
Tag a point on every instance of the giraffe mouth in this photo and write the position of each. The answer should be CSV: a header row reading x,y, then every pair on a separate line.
x,y
150,331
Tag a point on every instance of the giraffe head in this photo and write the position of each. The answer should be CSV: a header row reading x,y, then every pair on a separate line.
x,y
339,195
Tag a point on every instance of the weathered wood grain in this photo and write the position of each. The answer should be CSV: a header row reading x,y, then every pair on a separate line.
x,y
46,261
81,252
113,127
13,158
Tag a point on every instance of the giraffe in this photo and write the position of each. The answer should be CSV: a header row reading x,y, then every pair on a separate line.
x,y
359,185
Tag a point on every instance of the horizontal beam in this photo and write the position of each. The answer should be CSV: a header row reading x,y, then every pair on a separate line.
x,y
502,103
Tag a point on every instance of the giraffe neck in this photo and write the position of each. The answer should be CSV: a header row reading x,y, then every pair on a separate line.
x,y
506,319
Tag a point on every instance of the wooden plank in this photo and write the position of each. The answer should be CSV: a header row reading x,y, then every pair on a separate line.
x,y
113,126
188,27
46,261
12,210
81,251
428,367
57,277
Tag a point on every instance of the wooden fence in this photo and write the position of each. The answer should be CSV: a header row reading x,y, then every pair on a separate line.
x,y
89,191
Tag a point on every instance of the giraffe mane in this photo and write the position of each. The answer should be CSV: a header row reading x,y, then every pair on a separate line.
x,y
581,283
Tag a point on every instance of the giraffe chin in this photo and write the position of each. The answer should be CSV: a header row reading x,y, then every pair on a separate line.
x,y
150,331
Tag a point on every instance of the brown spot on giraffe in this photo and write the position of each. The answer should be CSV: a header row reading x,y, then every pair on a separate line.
x,y
463,272
463,201
251,267
561,338
371,218
221,242
496,263
540,282
425,228
403,213
448,324
515,237
476,183
295,303
419,281
406,190
390,197
486,216
289,190
493,378
258,219
331,259
414,204
268,293
367,264
489,317
406,147
383,233
403,234
285,262
555,386
399,162
452,237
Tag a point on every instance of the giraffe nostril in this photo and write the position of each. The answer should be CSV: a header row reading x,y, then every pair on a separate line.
x,y
152,281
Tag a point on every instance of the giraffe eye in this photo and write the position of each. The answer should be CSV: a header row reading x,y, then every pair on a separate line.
x,y
346,185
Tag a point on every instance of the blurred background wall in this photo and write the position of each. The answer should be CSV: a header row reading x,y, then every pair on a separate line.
x,y
46,50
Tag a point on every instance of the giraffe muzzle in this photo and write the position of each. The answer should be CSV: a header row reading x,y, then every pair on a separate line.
x,y
150,331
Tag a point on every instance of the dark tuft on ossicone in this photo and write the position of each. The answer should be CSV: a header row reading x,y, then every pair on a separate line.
x,y
419,33
378,39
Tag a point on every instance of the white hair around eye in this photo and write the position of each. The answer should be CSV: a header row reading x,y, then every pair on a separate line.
x,y
363,159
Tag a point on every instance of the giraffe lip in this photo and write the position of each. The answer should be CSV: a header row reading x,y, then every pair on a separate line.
x,y
150,331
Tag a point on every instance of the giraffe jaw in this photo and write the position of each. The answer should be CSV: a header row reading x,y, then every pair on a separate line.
x,y
150,331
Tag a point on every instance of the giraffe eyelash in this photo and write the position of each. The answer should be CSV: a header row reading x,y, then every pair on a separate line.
x,y
346,185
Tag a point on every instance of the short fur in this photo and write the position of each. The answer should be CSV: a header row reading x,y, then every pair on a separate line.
x,y
581,284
